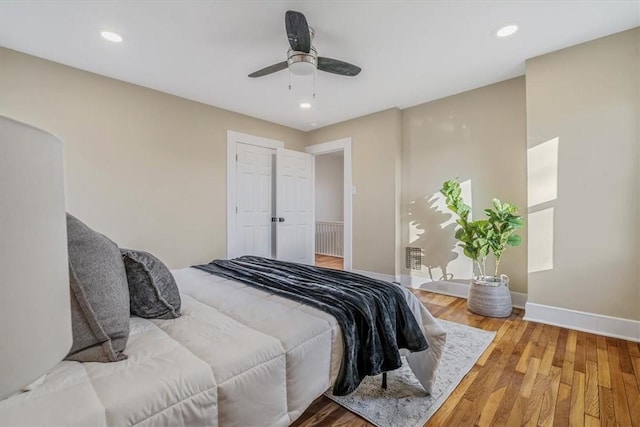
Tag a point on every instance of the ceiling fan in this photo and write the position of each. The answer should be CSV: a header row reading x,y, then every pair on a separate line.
x,y
302,57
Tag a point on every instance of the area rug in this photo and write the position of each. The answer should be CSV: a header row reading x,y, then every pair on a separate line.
x,y
405,402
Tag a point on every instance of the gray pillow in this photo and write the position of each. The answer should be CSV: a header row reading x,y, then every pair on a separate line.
x,y
153,292
99,296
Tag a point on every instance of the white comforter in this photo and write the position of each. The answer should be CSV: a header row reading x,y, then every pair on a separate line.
x,y
236,357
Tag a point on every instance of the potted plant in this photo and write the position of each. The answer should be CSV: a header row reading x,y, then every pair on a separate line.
x,y
488,295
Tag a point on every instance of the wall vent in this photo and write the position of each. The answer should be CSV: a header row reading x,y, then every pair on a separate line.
x,y
413,258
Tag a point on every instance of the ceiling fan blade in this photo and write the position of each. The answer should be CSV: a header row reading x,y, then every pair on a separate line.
x,y
297,31
270,69
338,67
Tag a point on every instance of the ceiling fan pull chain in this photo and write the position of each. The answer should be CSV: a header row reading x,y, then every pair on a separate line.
x,y
289,78
314,84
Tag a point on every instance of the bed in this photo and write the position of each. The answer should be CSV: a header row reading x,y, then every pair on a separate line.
x,y
238,356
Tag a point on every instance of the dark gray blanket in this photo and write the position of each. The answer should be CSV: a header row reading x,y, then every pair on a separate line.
x,y
374,316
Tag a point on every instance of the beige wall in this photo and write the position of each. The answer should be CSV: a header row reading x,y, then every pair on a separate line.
x,y
143,167
479,137
587,96
376,158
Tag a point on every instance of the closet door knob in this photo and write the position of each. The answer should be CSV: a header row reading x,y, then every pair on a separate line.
x,y
280,219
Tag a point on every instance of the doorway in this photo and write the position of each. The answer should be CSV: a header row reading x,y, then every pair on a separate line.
x,y
333,226
269,200
329,209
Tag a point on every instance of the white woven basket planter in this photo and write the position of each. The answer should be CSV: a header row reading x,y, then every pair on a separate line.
x,y
490,296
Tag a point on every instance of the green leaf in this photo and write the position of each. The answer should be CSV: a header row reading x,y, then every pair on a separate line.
x,y
516,221
514,240
497,204
470,253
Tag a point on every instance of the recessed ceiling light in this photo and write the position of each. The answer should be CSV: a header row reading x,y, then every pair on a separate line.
x,y
112,37
507,30
313,124
305,105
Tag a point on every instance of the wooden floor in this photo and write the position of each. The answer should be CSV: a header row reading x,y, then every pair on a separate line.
x,y
532,374
329,262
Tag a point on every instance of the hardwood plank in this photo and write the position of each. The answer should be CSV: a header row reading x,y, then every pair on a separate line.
x,y
524,358
607,413
490,408
517,412
620,403
624,357
604,374
633,398
537,332
561,347
485,356
634,349
592,353
316,412
576,414
508,401
590,421
484,385
486,381
581,351
635,361
534,405
563,406
547,360
462,416
591,401
549,397
530,377
569,358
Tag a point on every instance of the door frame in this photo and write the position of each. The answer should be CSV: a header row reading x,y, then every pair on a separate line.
x,y
343,145
233,138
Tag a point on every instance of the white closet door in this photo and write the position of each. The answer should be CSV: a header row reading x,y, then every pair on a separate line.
x,y
254,180
294,206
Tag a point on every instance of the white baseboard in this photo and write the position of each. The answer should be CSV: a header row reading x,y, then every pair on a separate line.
x,y
600,324
374,275
455,289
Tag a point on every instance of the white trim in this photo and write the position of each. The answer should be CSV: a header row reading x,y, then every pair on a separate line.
x,y
454,289
232,139
343,145
374,275
593,323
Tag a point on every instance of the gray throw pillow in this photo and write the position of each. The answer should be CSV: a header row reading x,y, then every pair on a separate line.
x,y
153,291
99,296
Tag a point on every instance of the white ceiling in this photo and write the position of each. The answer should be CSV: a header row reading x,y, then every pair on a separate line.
x,y
410,51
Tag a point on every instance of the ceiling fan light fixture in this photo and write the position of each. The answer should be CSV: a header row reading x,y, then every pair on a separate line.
x,y
506,30
302,68
111,36
301,63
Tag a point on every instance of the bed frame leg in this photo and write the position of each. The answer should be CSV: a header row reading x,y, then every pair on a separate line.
x,y
384,380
